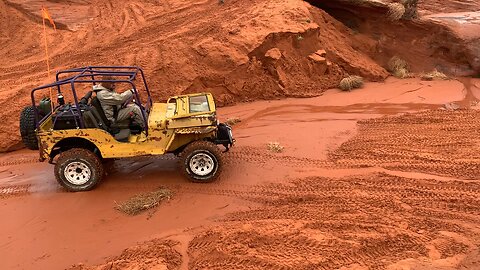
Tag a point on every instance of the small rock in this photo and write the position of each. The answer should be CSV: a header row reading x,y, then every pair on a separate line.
x,y
451,106
317,58
322,53
274,53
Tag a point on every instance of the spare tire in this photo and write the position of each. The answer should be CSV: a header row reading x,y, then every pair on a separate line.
x,y
27,128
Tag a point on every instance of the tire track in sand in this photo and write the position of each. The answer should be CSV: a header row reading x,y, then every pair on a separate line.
x,y
320,223
438,142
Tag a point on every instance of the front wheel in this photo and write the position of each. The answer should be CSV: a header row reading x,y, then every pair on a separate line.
x,y
78,170
201,161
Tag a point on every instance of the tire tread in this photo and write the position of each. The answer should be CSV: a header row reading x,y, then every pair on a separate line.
x,y
27,128
79,153
201,145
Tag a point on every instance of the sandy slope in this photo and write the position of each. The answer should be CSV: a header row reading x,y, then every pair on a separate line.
x,y
182,46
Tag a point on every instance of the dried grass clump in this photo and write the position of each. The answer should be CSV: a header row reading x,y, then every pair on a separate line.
x,y
402,74
233,121
141,202
351,82
434,75
399,68
411,11
275,147
395,11
396,63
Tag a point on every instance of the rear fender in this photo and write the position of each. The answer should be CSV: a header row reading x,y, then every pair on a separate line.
x,y
72,142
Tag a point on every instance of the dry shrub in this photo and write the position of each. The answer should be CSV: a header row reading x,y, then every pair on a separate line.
x,y
351,82
233,121
434,75
141,202
395,11
399,68
396,63
275,147
402,74
410,9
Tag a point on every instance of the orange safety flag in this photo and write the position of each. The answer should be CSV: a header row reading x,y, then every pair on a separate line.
x,y
46,16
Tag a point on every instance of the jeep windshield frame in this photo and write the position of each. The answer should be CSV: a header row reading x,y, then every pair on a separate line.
x,y
94,75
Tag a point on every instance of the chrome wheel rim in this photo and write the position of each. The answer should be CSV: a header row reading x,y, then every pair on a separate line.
x,y
77,173
201,164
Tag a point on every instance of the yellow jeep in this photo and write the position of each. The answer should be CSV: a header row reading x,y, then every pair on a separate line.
x,y
77,137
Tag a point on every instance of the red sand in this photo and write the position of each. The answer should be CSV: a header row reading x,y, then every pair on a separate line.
x,y
48,228
377,178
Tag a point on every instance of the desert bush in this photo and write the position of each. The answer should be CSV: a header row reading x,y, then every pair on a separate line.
x,y
396,63
434,75
395,11
144,201
351,82
233,121
399,68
275,147
410,9
402,73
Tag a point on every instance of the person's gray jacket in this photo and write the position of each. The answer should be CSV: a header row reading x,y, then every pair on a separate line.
x,y
109,98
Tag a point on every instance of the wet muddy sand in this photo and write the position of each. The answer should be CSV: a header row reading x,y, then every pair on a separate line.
x,y
378,178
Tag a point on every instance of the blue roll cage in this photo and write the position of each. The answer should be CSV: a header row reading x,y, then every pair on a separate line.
x,y
88,75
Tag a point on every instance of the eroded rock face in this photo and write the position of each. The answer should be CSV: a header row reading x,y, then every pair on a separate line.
x,y
312,56
447,42
466,27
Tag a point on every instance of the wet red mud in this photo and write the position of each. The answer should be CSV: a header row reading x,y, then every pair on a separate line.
x,y
378,178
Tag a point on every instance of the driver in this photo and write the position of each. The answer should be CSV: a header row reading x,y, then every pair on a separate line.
x,y
111,101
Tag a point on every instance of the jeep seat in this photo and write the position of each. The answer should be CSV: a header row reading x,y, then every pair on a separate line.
x,y
120,131
114,126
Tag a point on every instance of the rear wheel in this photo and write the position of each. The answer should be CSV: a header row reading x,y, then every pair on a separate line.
x,y
78,169
201,161
27,128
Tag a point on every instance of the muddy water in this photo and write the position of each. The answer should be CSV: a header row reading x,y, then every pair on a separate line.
x,y
293,111
44,227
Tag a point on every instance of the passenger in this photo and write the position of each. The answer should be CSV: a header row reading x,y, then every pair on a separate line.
x,y
111,101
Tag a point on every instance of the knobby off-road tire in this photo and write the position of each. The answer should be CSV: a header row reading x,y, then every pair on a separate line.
x,y
201,162
27,128
78,170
